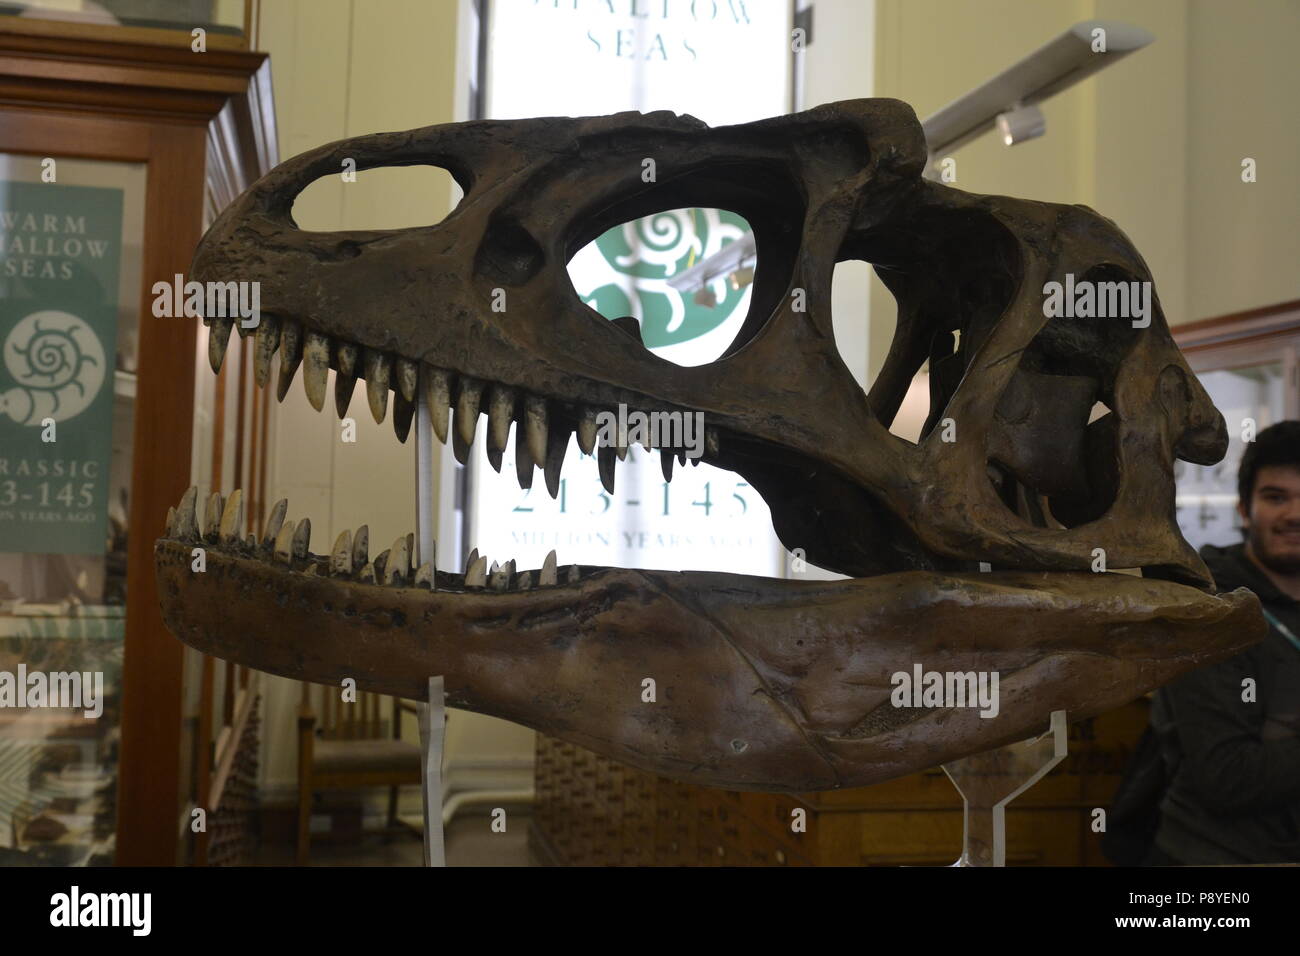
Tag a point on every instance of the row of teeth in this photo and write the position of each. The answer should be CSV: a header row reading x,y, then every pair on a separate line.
x,y
287,543
544,439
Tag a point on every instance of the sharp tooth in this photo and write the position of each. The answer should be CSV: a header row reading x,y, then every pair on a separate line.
x,y
301,538
501,411
251,541
348,357
341,556
559,444
283,551
408,375
361,546
212,517
437,395
570,574
587,429
381,565
218,339
377,375
525,581
605,458
494,459
535,426
267,341
344,386
666,463
711,442
547,576
523,459
476,574
398,567
186,525
290,356
171,522
274,521
467,404
403,412
345,382
232,519
458,447
469,562
367,575
424,577
316,368
500,578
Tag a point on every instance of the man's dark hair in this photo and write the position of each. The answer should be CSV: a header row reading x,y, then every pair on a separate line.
x,y
1276,445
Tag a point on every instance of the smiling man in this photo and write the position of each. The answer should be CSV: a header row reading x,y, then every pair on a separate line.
x,y
1230,732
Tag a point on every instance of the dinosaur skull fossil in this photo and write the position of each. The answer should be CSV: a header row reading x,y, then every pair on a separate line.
x,y
764,684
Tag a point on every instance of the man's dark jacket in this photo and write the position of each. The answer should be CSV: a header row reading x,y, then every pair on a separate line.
x,y
1235,792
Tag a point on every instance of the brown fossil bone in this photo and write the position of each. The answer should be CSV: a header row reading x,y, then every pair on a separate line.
x,y
1050,441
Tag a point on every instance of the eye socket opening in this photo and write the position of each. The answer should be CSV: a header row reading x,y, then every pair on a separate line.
x,y
684,276
701,260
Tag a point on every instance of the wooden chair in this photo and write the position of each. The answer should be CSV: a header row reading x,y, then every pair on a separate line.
x,y
347,746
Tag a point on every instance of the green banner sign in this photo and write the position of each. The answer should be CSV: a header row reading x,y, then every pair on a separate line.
x,y
60,249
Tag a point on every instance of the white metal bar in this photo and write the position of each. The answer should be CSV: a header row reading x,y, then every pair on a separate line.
x,y
432,716
433,726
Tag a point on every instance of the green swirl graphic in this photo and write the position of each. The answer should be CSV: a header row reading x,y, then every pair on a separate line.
x,y
641,255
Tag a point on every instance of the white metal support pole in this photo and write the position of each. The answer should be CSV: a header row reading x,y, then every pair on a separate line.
x,y
433,725
989,781
432,715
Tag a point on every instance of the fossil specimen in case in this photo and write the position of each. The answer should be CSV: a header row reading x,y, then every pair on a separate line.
x,y
762,684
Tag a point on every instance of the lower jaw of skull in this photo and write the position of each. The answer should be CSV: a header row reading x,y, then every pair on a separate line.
x,y
720,679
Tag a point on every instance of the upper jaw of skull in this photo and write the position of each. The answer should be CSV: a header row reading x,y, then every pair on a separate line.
x,y
486,294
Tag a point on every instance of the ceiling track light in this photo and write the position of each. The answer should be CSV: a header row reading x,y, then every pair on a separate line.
x,y
1021,123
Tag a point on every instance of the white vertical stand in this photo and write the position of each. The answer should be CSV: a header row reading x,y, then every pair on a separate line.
x,y
433,715
989,781
433,725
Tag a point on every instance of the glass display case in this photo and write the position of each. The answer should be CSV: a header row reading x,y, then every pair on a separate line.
x,y
1248,365
70,260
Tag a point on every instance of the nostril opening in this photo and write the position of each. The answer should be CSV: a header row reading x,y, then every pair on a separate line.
x,y
347,249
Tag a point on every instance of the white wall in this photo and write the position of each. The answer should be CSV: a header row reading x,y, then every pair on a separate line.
x,y
1243,79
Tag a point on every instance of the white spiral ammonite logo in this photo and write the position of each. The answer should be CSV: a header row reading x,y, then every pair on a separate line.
x,y
57,364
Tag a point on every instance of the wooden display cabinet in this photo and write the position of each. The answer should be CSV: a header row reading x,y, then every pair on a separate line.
x,y
192,130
